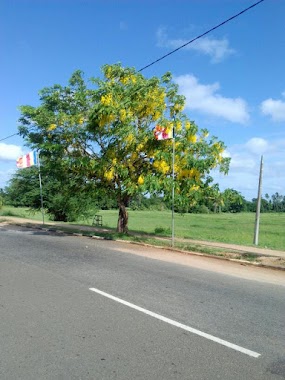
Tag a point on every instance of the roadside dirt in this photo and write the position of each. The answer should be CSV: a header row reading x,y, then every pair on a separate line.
x,y
267,258
236,269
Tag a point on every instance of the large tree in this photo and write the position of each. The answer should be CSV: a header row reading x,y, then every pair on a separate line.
x,y
104,134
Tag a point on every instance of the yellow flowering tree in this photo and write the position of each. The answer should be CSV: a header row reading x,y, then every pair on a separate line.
x,y
127,106
104,135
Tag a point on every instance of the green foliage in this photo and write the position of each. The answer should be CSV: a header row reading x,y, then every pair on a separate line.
x,y
233,201
62,197
103,200
23,189
203,210
2,198
63,207
153,202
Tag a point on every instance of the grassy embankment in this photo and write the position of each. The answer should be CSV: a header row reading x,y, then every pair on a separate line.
x,y
227,228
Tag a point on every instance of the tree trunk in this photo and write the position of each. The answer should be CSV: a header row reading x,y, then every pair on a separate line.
x,y
122,225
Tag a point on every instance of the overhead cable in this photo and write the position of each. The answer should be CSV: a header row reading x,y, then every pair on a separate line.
x,y
187,43
201,35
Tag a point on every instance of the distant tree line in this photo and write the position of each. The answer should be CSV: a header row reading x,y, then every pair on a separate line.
x,y
229,200
67,198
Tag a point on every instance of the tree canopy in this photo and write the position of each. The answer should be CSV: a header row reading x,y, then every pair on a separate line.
x,y
101,133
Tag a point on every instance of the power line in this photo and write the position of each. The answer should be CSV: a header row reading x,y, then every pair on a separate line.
x,y
201,35
187,43
5,138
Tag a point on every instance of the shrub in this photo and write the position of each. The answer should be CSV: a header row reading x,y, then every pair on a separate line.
x,y
161,231
203,210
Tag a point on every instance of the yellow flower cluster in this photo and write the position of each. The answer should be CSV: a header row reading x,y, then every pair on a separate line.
x,y
140,147
190,173
123,114
108,73
178,126
153,104
218,147
156,115
124,80
218,153
161,166
140,180
158,95
51,127
187,125
130,139
107,99
128,78
109,174
192,138
81,120
194,173
134,156
106,119
220,158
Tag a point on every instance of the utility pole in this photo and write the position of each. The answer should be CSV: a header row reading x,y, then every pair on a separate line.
x,y
173,186
41,187
257,215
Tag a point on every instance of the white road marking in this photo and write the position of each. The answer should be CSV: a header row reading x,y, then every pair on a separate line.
x,y
178,324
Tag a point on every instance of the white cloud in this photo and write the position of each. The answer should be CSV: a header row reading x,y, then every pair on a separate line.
x,y
245,167
242,162
217,49
274,108
9,152
206,99
257,145
226,154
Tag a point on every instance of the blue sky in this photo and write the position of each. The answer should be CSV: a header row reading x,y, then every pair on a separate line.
x,y
233,79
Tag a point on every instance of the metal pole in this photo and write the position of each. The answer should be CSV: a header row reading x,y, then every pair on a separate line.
x,y
257,216
41,189
173,178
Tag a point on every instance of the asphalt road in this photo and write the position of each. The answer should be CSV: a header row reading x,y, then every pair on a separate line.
x,y
142,318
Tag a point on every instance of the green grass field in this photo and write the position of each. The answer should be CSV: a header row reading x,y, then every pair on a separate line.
x,y
21,212
228,228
